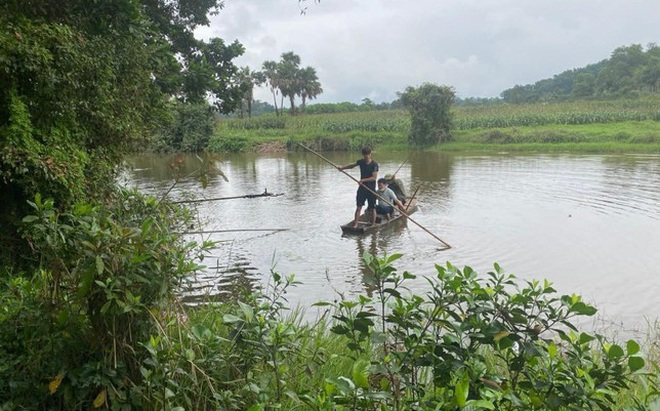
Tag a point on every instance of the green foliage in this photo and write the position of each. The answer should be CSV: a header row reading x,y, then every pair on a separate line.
x,y
287,78
229,144
114,341
430,116
260,337
373,121
630,71
247,355
82,84
189,130
263,122
606,125
209,70
248,80
348,107
477,343
105,275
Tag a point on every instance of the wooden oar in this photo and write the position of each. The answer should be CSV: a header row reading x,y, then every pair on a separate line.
x,y
447,246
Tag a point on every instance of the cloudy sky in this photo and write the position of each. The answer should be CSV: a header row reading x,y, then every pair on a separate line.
x,y
374,48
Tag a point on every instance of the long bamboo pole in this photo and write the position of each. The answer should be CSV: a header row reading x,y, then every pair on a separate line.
x,y
398,169
447,246
413,197
237,230
203,200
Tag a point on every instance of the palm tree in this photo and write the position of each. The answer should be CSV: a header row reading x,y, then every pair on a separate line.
x,y
310,87
289,79
247,80
272,78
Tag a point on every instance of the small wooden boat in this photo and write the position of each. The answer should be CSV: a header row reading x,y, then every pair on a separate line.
x,y
364,222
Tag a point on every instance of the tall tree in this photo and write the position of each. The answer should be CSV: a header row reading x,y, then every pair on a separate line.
x,y
310,87
430,115
81,83
617,77
584,85
269,69
649,75
248,79
288,71
219,83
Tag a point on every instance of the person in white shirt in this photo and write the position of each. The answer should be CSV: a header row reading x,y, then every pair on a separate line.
x,y
396,185
385,193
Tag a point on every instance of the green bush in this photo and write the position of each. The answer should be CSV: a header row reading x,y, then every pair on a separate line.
x,y
476,343
430,116
229,144
71,332
189,128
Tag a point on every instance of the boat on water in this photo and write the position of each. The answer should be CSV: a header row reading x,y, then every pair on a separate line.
x,y
364,222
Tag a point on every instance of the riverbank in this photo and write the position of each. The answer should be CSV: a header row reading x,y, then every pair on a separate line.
x,y
628,136
593,126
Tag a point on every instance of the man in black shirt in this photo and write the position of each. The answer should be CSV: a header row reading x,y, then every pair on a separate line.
x,y
367,188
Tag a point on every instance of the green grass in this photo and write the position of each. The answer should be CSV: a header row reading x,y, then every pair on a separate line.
x,y
586,126
642,136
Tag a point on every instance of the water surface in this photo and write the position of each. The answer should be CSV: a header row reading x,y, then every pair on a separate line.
x,y
588,223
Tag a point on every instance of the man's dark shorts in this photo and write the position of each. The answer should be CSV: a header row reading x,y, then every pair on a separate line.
x,y
384,209
365,195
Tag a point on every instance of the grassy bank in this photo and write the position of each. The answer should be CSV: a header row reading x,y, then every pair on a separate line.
x,y
595,126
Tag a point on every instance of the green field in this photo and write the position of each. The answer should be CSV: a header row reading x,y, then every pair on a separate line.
x,y
600,126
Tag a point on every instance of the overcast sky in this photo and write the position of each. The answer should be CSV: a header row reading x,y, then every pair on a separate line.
x,y
374,48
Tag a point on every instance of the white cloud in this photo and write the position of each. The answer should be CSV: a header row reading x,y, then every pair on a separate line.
x,y
374,48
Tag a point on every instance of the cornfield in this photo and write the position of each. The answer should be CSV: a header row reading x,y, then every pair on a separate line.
x,y
569,113
464,117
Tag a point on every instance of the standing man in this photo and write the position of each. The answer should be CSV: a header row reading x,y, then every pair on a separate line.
x,y
367,188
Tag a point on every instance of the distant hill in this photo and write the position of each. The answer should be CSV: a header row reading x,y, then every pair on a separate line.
x,y
630,71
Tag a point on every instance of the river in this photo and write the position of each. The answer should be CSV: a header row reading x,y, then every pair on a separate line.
x,y
590,224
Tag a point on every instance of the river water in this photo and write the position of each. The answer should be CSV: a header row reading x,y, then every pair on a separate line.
x,y
590,224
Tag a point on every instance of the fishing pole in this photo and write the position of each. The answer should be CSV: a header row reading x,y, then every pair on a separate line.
x,y
447,246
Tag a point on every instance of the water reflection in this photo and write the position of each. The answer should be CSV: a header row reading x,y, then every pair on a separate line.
x,y
221,281
377,244
431,166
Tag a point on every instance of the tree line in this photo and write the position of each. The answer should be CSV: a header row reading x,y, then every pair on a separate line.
x,y
630,71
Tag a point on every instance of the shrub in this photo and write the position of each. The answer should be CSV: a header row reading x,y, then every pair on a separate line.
x,y
189,129
477,343
76,324
229,144
430,115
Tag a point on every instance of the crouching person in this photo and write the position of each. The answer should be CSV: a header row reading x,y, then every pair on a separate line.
x,y
396,185
386,207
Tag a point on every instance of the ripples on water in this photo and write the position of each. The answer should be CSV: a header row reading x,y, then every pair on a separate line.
x,y
588,223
